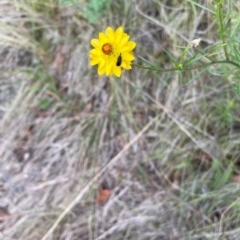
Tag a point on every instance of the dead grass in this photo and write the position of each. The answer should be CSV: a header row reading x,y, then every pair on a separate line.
x,y
165,144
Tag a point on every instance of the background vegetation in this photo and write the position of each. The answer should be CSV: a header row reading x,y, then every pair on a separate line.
x,y
151,155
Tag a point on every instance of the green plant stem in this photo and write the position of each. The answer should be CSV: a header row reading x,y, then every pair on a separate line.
x,y
188,68
222,30
204,55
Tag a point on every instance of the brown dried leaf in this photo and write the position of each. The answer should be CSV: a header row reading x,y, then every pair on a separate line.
x,y
4,214
235,178
103,195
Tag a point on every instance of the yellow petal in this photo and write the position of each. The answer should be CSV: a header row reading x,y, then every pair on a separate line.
x,y
94,61
119,31
102,63
111,73
95,52
117,71
102,38
126,65
123,40
101,70
127,56
118,35
110,34
109,67
95,42
129,46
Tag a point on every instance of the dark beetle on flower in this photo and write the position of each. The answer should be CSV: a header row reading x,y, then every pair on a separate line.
x,y
119,60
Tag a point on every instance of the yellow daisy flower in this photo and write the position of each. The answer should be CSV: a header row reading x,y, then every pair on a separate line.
x,y
112,52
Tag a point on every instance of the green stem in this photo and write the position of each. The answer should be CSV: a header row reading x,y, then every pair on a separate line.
x,y
222,30
204,55
188,68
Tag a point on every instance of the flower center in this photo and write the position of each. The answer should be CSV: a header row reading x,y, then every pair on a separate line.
x,y
107,48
